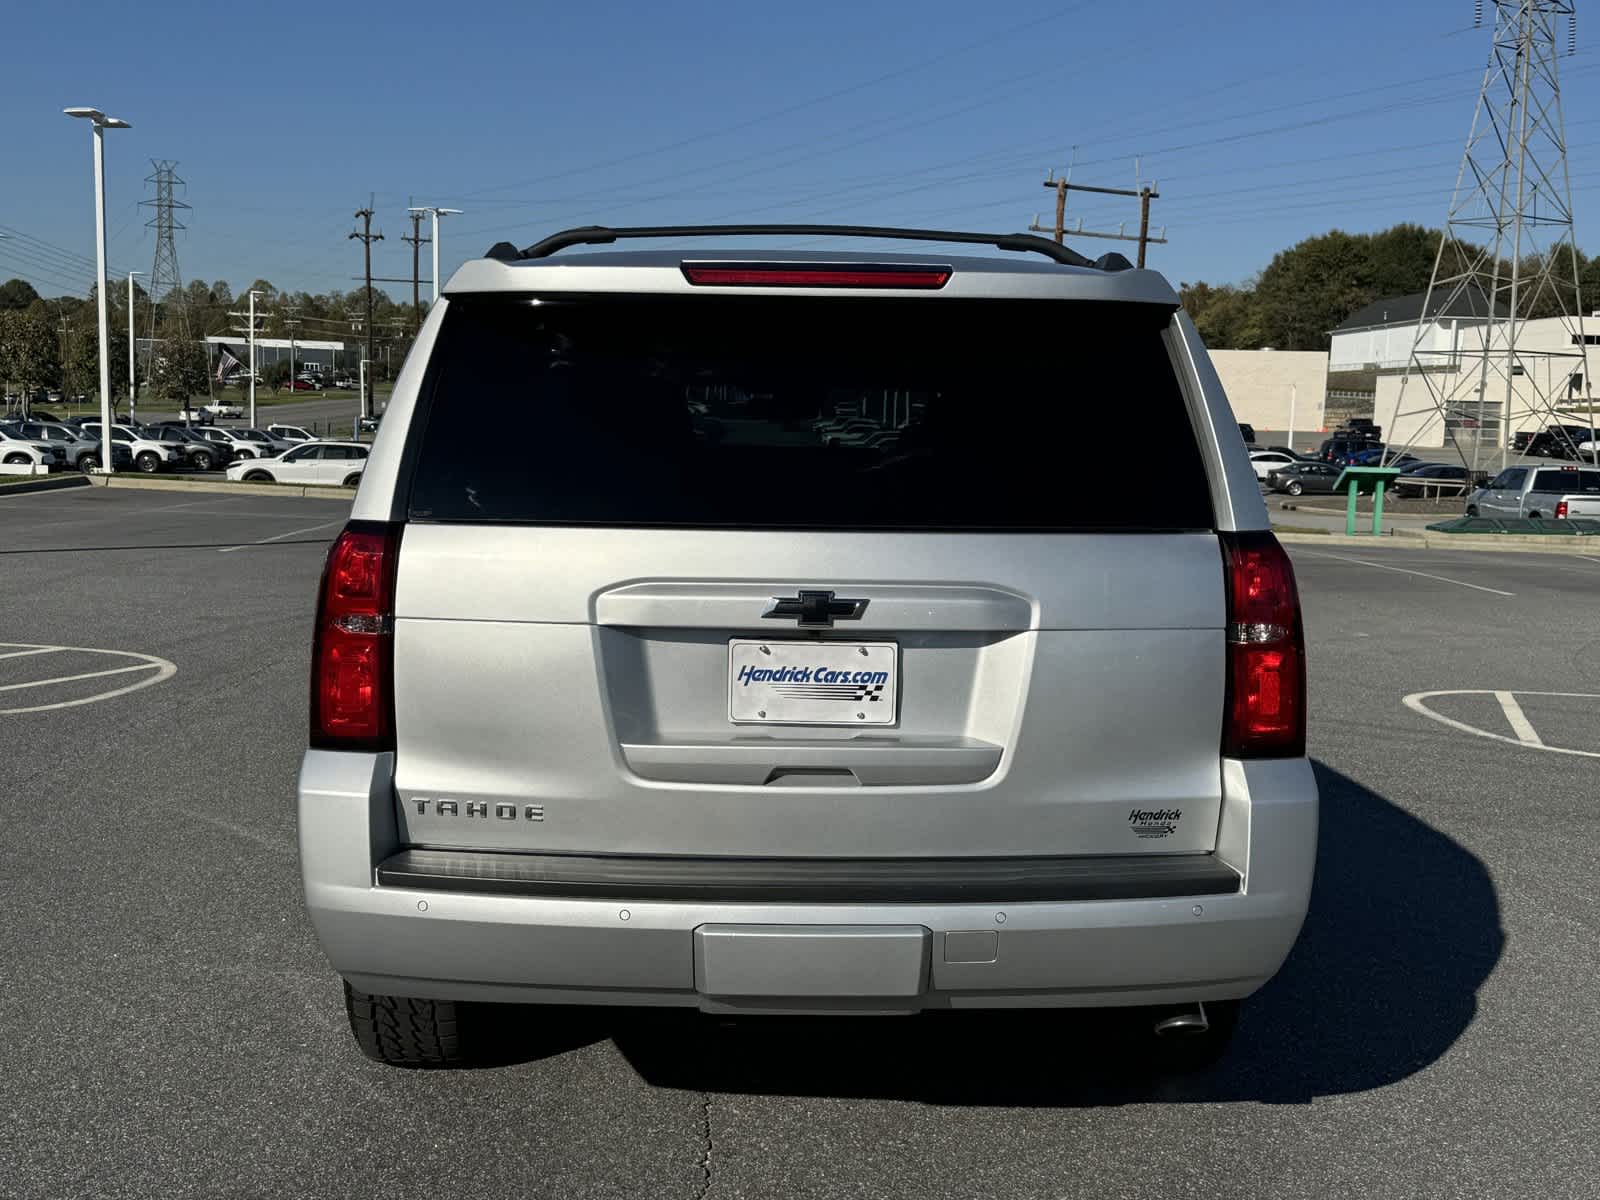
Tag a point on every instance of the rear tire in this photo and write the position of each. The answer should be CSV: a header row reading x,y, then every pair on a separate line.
x,y
402,1031
1187,1053
1472,510
353,479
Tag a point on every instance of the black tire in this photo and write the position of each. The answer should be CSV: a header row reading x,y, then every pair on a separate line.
x,y
1472,510
353,479
17,459
88,463
1533,516
202,461
1294,487
147,461
1187,1053
405,1032
258,477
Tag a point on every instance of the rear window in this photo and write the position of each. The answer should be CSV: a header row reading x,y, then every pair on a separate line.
x,y
1566,481
791,412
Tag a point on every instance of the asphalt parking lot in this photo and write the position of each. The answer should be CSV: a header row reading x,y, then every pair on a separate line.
x,y
170,1027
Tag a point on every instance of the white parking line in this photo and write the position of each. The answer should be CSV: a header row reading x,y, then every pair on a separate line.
x,y
35,650
1365,562
1586,558
278,537
33,683
147,662
1417,702
1518,720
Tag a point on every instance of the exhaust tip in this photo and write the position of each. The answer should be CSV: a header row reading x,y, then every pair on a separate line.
x,y
1187,1021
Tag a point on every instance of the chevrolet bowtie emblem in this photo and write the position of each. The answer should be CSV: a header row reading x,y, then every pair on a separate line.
x,y
814,610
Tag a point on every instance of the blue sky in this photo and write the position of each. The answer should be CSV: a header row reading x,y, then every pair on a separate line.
x,y
1260,126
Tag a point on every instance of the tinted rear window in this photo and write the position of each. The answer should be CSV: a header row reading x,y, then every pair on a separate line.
x,y
1566,481
790,412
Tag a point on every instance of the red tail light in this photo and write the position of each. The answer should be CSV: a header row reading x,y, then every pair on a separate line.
x,y
824,275
1561,510
1265,710
352,656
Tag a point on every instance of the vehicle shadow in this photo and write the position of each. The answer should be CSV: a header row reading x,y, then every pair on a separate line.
x,y
1404,927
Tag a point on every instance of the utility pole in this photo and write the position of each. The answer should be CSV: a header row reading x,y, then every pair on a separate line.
x,y
250,331
292,323
1145,193
366,237
436,213
417,242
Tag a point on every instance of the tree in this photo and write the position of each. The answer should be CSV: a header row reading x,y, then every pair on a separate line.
x,y
16,294
81,367
178,369
30,352
1227,317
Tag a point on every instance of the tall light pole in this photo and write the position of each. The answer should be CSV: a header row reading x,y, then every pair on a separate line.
x,y
101,124
436,213
132,383
253,295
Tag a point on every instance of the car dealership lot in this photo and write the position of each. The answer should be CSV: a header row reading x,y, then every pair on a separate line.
x,y
172,1029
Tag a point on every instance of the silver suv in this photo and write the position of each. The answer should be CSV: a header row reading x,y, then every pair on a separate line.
x,y
792,655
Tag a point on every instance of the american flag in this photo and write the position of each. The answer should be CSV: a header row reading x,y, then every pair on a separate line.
x,y
226,364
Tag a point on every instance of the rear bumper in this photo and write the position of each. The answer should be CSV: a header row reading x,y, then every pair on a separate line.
x,y
735,954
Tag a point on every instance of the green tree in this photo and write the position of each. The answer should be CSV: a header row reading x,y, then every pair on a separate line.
x,y
1226,316
30,352
16,294
178,369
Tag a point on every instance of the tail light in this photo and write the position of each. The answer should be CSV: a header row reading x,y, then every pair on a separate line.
x,y
820,275
352,656
1265,708
1561,510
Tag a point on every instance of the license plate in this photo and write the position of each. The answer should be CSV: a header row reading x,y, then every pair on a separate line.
x,y
812,683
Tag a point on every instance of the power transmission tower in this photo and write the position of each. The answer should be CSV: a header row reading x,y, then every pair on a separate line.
x,y
166,282
1514,192
366,237
417,242
1145,193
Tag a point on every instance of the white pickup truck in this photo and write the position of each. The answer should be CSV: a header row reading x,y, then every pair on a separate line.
x,y
1557,492
225,408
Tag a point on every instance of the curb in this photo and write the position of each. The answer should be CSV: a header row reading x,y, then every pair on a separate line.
x,y
226,487
46,485
1459,541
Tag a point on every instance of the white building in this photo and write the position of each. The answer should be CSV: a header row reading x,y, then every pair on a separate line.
x,y
1276,391
1380,336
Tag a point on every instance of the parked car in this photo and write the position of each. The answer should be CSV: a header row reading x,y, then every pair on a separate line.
x,y
1267,461
18,450
620,641
1343,448
192,414
1562,441
370,424
290,433
1538,492
82,451
245,443
300,385
1433,479
224,408
1298,478
1248,433
336,464
149,455
200,453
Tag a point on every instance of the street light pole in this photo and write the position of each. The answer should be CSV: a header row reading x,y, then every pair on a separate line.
x,y
132,383
253,295
101,124
436,213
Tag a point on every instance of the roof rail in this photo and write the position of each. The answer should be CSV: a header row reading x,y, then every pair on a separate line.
x,y
601,235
